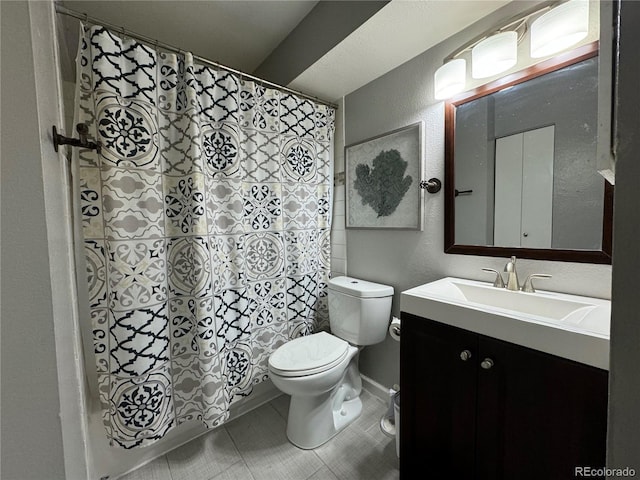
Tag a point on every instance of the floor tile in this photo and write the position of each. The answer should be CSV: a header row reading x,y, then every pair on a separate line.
x,y
324,473
372,411
255,447
260,437
155,470
204,457
354,454
237,471
281,404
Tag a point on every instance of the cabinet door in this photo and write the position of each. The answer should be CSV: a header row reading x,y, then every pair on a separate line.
x,y
438,399
539,416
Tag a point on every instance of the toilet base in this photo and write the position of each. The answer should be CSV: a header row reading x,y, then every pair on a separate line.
x,y
351,409
307,425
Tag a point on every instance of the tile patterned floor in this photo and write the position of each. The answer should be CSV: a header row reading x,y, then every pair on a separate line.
x,y
255,447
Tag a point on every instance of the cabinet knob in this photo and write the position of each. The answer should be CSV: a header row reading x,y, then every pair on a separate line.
x,y
487,363
465,355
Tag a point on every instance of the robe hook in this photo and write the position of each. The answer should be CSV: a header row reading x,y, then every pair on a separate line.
x,y
433,185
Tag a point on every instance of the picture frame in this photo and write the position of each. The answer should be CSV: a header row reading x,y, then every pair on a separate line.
x,y
382,181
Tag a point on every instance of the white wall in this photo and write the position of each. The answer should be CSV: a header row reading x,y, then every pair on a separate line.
x,y
31,430
406,259
42,431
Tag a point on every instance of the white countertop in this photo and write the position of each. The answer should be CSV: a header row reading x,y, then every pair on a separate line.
x,y
569,326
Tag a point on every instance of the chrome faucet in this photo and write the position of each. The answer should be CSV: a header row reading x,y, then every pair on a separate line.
x,y
512,278
512,275
528,283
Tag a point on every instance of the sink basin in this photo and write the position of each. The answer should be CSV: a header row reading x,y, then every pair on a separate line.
x,y
570,326
543,306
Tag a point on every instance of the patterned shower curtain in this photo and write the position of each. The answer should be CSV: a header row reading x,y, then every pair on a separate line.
x,y
206,222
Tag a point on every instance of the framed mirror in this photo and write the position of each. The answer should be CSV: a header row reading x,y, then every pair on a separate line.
x,y
520,165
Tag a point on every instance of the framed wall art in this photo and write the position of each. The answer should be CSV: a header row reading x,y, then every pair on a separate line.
x,y
383,176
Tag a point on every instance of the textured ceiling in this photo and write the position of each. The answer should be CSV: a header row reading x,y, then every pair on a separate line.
x,y
238,33
400,31
241,34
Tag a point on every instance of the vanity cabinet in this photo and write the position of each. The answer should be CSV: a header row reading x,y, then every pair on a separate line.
x,y
474,407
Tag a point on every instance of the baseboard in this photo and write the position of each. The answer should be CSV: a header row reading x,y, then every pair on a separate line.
x,y
375,389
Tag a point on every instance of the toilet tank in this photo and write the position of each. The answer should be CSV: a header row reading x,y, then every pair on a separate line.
x,y
359,311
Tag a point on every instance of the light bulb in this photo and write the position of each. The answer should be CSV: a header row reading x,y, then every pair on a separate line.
x,y
494,55
560,28
450,79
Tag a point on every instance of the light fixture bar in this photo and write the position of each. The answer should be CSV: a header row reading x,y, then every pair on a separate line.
x,y
520,20
556,26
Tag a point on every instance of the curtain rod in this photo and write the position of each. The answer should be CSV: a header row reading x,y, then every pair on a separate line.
x,y
165,46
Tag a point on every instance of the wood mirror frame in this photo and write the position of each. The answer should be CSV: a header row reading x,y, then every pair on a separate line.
x,y
602,256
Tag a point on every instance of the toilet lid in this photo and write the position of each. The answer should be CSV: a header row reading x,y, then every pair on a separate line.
x,y
308,355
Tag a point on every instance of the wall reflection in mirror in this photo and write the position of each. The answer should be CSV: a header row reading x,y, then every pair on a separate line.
x,y
523,163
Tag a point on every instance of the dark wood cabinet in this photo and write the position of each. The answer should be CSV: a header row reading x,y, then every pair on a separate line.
x,y
474,407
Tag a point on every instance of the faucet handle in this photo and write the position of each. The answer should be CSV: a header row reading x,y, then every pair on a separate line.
x,y
498,282
528,283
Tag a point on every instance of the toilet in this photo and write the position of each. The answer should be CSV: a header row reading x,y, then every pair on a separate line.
x,y
320,371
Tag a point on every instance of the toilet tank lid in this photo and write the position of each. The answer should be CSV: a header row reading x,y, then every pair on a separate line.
x,y
359,288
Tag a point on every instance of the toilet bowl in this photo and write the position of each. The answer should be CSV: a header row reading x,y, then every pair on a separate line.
x,y
318,409
320,371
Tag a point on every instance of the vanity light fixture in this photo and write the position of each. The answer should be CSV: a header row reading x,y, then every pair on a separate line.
x,y
496,51
560,28
450,79
494,54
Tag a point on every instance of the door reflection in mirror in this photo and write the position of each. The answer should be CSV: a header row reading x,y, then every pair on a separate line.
x,y
528,152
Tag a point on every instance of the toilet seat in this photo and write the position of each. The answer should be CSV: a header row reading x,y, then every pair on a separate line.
x,y
308,355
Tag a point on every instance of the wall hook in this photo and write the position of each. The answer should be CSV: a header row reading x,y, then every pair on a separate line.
x,y
83,132
457,192
433,185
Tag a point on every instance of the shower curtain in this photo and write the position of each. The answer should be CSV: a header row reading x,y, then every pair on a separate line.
x,y
205,222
